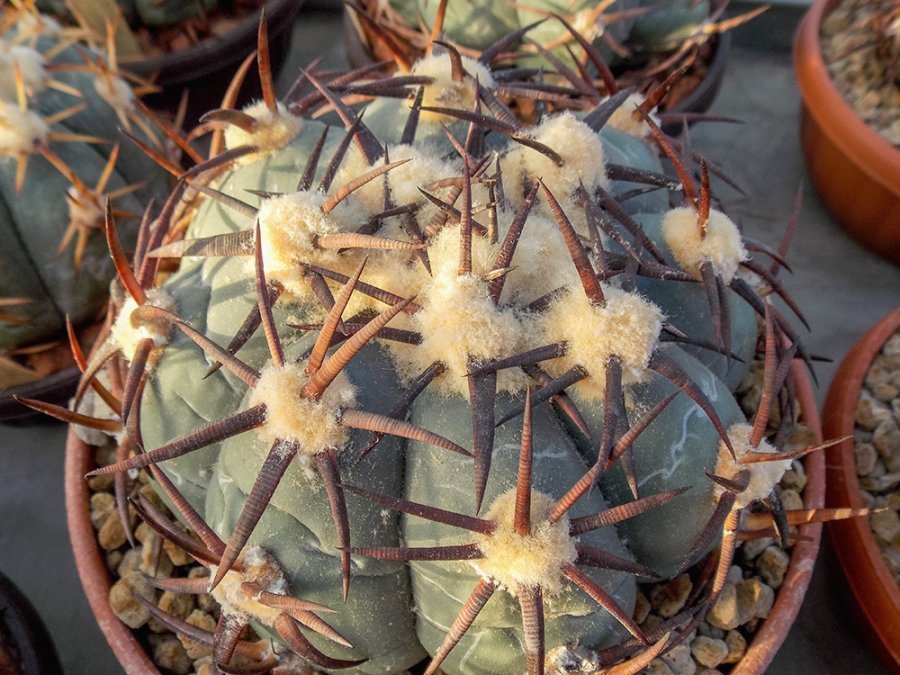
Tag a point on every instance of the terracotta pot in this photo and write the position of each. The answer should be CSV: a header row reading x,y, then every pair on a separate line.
x,y
856,171
96,579
868,578
205,69
90,562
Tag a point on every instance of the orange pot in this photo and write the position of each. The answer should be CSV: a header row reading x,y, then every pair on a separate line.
x,y
130,652
856,171
868,578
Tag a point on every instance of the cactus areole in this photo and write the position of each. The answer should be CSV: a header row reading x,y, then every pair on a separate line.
x,y
62,157
461,405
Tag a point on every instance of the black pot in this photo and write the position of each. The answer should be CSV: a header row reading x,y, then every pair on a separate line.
x,y
25,645
205,69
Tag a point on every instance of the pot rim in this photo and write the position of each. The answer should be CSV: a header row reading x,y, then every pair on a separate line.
x,y
762,649
216,52
831,111
853,542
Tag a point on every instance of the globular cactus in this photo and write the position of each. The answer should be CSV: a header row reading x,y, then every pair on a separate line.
x,y
60,160
457,383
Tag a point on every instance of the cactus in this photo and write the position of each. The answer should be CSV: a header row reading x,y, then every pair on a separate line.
x,y
60,111
476,441
634,44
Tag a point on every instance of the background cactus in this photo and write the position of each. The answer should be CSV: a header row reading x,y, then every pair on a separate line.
x,y
60,111
489,333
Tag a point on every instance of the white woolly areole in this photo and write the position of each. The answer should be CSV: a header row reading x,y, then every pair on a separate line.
x,y
541,263
422,169
626,326
289,225
30,25
535,559
580,148
624,120
764,476
260,568
84,211
722,246
20,132
444,92
115,91
314,425
31,64
127,332
460,325
274,130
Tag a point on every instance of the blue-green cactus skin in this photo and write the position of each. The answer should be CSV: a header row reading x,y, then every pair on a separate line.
x,y
493,643
34,220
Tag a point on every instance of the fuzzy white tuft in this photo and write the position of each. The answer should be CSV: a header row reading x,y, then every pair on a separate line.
x,y
32,25
116,92
626,326
258,567
314,425
764,476
541,262
535,559
443,91
460,325
20,132
32,65
422,169
624,120
289,225
580,148
459,322
128,333
84,211
722,246
274,130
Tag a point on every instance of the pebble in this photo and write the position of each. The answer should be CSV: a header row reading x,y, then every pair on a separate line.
x,y
669,598
641,608
194,648
102,503
658,667
169,654
866,457
112,533
885,525
870,412
737,646
791,500
772,565
679,660
124,603
709,652
752,548
754,600
724,614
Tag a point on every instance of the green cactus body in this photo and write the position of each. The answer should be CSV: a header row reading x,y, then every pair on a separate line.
x,y
492,645
474,304
478,24
36,218
673,452
668,25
